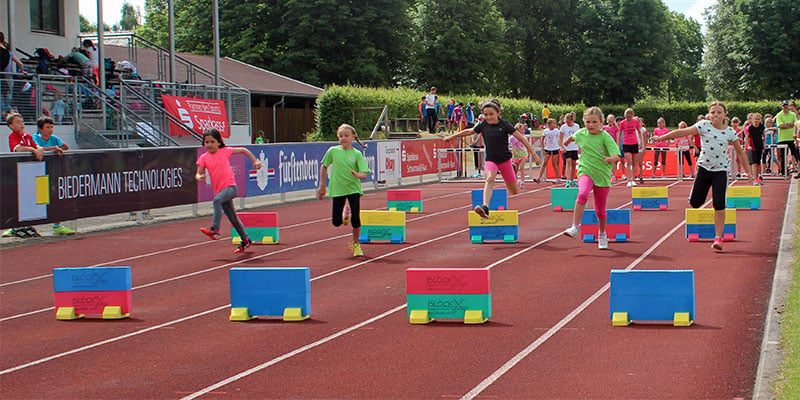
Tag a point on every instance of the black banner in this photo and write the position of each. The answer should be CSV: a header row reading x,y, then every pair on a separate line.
x,y
90,183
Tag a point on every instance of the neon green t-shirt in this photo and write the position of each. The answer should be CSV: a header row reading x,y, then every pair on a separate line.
x,y
593,149
342,181
785,134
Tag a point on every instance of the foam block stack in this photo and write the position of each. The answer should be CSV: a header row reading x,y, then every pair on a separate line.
x,y
499,200
743,197
83,291
501,225
448,293
383,225
261,227
700,224
408,200
618,225
650,198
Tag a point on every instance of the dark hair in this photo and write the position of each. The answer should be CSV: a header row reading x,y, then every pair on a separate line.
x,y
10,118
214,134
493,103
88,42
44,120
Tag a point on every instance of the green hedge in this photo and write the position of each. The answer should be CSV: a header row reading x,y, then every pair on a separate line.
x,y
339,104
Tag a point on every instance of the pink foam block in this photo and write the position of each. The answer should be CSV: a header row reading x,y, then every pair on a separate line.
x,y
259,219
89,302
447,281
557,208
662,207
637,207
693,237
612,230
403,194
727,237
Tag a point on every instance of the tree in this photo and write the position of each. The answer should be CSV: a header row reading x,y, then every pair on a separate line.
x,y
85,25
130,17
725,50
685,82
156,24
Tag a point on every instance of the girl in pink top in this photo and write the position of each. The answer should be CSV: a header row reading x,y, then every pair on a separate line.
x,y
660,147
632,144
216,160
613,129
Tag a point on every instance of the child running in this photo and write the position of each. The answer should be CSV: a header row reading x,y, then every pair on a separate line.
x,y
495,132
216,160
599,153
629,130
349,168
550,149
754,143
713,164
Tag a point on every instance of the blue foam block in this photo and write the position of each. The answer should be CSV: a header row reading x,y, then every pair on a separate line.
x,y
613,217
588,238
275,279
650,202
621,237
271,304
499,199
652,295
81,279
708,231
494,232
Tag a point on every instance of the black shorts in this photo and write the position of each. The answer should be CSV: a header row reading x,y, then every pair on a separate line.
x,y
630,148
717,181
551,152
754,156
573,154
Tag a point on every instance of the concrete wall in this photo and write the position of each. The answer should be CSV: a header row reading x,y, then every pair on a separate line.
x,y
28,41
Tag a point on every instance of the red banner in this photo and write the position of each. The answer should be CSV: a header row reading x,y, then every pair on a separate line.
x,y
419,157
198,114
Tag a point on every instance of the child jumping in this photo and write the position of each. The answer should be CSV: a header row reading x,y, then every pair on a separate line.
x,y
495,132
349,168
713,163
216,160
599,153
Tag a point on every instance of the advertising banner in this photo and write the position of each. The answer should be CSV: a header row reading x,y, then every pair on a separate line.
x,y
419,157
87,184
388,161
198,114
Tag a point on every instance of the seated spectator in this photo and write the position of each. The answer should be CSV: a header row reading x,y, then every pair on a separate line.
x,y
79,58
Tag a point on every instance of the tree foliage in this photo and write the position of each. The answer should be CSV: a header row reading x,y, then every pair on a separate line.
x,y
130,17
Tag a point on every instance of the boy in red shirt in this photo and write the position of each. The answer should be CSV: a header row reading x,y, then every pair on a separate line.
x,y
18,141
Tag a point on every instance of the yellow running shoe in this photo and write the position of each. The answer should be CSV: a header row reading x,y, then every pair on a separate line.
x,y
63,230
8,233
357,252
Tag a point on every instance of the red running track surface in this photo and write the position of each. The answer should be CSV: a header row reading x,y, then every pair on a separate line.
x,y
549,336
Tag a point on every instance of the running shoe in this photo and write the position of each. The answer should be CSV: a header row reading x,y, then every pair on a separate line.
x,y
521,185
346,215
572,231
717,244
20,232
602,243
8,233
31,231
243,246
357,252
482,211
212,233
62,230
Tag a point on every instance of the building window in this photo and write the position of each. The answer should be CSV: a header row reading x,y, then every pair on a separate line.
x,y
46,15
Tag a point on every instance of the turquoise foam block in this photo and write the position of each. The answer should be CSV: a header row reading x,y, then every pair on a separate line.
x,y
707,231
449,305
752,203
77,279
499,199
650,202
258,234
404,205
650,295
563,197
492,232
395,234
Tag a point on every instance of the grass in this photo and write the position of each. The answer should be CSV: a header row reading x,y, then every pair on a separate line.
x,y
787,384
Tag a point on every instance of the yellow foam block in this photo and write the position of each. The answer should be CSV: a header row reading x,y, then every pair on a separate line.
x,y
649,192
620,319
236,240
706,215
294,314
114,312
472,317
743,191
67,313
383,218
266,240
681,319
496,217
240,314
419,317
43,189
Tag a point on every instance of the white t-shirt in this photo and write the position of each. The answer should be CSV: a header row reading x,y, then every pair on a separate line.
x,y
568,131
430,101
550,137
92,55
714,148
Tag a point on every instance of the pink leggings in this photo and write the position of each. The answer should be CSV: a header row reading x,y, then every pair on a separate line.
x,y
586,184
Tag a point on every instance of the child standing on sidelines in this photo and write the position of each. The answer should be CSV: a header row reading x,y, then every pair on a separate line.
x,y
519,155
570,149
713,164
599,153
45,139
216,160
686,147
495,132
550,149
660,148
21,141
613,129
349,168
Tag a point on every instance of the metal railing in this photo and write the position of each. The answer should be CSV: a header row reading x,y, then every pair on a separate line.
x,y
35,95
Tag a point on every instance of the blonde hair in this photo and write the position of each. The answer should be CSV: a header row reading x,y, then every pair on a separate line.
x,y
661,119
353,131
716,103
681,124
756,114
596,111
549,120
628,111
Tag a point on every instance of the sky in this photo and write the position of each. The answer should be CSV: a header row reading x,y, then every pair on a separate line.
x,y
112,9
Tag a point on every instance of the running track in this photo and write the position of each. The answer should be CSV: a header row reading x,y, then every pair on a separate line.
x,y
549,335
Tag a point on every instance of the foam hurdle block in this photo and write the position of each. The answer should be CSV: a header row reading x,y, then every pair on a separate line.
x,y
75,279
104,291
409,200
383,225
263,291
447,280
743,197
700,222
563,199
261,227
652,295
450,293
650,198
618,225
499,200
501,225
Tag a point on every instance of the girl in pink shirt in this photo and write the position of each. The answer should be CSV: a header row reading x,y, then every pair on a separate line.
x,y
216,160
632,145
660,148
613,129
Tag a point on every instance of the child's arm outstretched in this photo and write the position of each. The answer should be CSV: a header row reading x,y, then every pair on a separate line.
x,y
323,176
242,150
528,146
465,132
689,130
